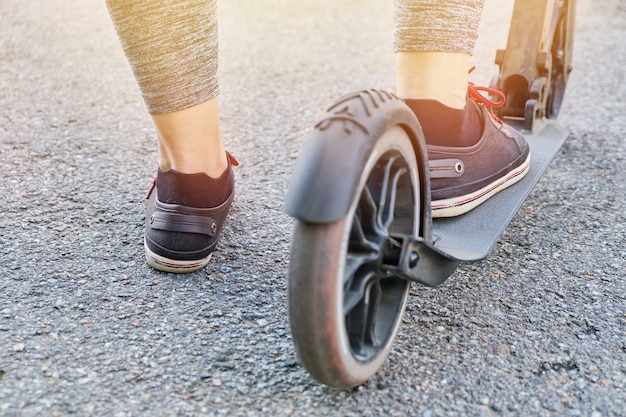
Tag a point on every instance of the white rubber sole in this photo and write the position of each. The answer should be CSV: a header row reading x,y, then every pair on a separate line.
x,y
170,265
456,206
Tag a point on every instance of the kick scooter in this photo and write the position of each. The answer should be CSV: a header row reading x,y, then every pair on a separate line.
x,y
361,196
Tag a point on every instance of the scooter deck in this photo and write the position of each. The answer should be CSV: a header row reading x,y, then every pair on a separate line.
x,y
472,236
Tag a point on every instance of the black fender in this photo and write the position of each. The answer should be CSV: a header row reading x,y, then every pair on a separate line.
x,y
328,169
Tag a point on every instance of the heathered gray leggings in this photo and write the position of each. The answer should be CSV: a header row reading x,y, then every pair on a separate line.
x,y
172,44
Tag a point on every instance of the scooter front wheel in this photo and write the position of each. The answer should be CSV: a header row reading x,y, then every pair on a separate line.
x,y
345,308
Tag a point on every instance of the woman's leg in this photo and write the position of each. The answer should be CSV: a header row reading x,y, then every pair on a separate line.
x,y
172,48
434,75
472,155
189,140
434,41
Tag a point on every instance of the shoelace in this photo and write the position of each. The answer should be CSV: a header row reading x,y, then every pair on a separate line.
x,y
475,94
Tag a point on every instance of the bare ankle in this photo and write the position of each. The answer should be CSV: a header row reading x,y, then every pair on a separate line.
x,y
189,140
440,76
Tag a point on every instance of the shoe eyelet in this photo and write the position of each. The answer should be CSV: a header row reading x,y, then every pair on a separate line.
x,y
458,168
152,219
213,228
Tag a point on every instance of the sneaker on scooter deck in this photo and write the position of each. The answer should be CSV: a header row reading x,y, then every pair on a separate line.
x,y
462,178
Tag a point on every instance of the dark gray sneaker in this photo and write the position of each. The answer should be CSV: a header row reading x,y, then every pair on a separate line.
x,y
462,178
179,238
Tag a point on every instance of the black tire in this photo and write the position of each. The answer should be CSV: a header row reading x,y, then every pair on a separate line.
x,y
344,309
562,51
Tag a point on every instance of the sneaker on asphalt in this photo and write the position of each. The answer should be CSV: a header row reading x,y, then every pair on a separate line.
x,y
179,238
462,178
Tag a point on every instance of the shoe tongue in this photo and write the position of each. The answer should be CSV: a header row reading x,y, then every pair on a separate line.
x,y
447,126
194,190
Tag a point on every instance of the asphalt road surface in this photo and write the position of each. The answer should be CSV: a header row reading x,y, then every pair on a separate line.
x,y
86,328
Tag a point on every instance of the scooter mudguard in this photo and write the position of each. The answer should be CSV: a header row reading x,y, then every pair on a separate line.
x,y
328,170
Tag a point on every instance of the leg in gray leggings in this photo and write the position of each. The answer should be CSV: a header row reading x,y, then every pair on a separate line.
x,y
172,48
436,25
